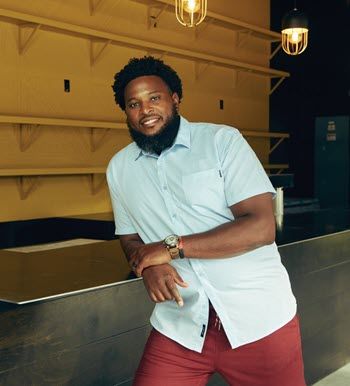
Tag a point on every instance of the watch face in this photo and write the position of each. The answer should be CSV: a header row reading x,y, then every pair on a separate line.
x,y
171,240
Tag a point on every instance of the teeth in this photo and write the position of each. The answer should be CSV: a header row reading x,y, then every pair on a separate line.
x,y
150,122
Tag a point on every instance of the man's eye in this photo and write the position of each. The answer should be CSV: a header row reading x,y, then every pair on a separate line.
x,y
133,105
155,98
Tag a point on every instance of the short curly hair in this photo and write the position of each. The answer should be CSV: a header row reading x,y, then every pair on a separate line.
x,y
148,65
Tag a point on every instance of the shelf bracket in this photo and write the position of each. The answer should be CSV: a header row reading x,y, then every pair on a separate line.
x,y
161,56
97,47
202,27
26,135
276,145
26,33
95,5
157,54
26,185
274,52
96,183
152,19
243,37
235,78
277,84
199,70
97,138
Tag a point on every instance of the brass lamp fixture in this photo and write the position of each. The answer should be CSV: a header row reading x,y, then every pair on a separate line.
x,y
294,32
190,13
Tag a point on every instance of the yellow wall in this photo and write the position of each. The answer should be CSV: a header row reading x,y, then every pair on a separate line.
x,y
32,85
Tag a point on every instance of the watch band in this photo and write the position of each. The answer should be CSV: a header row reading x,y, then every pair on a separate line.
x,y
174,252
180,247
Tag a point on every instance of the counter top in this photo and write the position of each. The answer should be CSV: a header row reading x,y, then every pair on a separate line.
x,y
304,226
42,275
290,227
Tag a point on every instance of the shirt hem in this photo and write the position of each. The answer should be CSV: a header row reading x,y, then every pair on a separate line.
x,y
264,335
180,342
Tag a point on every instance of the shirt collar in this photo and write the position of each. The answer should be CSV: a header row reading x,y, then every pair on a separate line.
x,y
183,138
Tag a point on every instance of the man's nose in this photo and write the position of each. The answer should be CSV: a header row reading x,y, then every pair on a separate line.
x,y
146,108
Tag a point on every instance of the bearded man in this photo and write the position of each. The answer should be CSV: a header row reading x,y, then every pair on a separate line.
x,y
193,211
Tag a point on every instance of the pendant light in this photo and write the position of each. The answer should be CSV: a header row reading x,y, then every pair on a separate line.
x,y
294,32
190,13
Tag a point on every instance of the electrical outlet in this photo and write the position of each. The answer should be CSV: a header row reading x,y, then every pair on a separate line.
x,y
66,85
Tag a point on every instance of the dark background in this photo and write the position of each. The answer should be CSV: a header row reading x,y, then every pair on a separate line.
x,y
319,84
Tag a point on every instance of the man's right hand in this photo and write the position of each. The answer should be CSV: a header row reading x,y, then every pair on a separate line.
x,y
161,283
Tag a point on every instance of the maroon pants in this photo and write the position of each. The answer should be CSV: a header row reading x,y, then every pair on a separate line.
x,y
275,360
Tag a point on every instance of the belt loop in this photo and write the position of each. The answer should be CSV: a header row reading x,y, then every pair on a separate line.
x,y
217,322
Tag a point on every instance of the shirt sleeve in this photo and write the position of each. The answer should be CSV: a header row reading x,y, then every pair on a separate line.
x,y
123,224
244,176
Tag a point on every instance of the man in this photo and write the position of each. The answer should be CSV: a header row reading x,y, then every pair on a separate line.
x,y
193,211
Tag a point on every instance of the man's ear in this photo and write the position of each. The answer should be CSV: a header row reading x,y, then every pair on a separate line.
x,y
176,100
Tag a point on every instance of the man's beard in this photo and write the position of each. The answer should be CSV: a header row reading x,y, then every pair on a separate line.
x,y
160,141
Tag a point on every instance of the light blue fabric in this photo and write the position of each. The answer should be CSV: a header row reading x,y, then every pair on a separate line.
x,y
189,189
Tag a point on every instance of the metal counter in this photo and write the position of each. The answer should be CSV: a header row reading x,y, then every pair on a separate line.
x,y
77,316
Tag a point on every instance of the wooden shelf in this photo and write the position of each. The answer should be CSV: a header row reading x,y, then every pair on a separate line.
x,y
263,134
278,167
35,172
17,172
95,125
51,171
45,121
27,135
28,179
223,21
39,23
266,134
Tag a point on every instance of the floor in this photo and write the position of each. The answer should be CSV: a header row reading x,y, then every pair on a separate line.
x,y
340,377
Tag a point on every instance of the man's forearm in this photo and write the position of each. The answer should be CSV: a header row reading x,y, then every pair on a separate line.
x,y
253,227
129,246
242,235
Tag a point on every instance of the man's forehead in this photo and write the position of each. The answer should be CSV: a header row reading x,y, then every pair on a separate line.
x,y
146,84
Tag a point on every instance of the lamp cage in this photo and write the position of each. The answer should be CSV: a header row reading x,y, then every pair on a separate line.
x,y
190,13
294,32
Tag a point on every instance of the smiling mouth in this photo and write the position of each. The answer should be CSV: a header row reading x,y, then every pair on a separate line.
x,y
150,122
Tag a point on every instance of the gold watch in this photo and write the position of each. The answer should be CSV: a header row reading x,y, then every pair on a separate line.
x,y
171,243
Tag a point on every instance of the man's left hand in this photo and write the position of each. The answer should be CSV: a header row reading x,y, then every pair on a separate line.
x,y
147,255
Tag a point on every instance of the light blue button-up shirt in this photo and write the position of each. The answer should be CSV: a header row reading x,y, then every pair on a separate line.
x,y
188,189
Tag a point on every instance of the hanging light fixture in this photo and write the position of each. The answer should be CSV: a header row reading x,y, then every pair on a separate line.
x,y
190,13
294,32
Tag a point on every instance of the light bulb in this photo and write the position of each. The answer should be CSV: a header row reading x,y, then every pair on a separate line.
x,y
190,13
191,6
295,37
295,34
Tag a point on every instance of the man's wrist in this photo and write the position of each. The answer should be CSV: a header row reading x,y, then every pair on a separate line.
x,y
181,248
174,244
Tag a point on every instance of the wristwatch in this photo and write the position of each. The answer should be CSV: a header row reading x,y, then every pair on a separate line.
x,y
173,243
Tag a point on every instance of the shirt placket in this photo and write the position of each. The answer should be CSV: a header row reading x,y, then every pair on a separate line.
x,y
167,193
202,315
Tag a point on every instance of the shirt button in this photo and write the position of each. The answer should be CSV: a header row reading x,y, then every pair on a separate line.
x,y
174,215
165,188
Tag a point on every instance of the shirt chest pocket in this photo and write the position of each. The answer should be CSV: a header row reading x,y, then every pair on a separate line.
x,y
204,188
